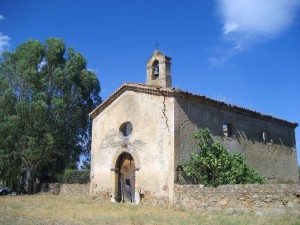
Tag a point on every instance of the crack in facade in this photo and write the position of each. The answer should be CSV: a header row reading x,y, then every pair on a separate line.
x,y
141,167
164,113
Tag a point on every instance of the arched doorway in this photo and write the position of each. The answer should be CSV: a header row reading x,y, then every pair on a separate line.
x,y
125,178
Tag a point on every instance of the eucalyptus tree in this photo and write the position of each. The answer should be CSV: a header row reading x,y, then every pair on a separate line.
x,y
46,93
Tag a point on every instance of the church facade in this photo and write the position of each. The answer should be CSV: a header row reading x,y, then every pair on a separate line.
x,y
142,132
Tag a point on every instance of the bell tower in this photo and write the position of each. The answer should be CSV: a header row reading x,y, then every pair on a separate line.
x,y
159,70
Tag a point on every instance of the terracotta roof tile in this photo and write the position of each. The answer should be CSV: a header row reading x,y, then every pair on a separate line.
x,y
174,92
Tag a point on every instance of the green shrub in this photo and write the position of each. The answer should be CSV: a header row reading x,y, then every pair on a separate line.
x,y
212,165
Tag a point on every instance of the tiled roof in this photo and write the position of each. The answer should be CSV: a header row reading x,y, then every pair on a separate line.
x,y
173,92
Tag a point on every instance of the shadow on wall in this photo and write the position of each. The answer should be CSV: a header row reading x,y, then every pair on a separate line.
x,y
243,127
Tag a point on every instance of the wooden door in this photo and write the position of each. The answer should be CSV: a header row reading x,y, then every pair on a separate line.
x,y
126,178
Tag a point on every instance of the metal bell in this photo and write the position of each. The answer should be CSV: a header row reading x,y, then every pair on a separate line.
x,y
156,71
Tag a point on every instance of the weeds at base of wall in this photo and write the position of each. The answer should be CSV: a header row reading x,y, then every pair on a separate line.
x,y
57,209
228,199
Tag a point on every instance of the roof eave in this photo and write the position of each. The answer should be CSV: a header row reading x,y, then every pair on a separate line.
x,y
172,92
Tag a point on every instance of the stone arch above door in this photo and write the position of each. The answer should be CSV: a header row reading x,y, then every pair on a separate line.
x,y
132,153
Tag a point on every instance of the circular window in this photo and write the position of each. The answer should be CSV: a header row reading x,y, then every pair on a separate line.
x,y
126,129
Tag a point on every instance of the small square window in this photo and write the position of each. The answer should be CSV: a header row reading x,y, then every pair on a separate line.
x,y
227,130
266,136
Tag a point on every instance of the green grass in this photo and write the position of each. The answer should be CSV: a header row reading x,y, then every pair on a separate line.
x,y
52,209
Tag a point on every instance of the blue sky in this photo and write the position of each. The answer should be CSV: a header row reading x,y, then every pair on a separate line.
x,y
245,53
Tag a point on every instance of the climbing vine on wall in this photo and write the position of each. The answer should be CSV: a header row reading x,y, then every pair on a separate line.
x,y
212,165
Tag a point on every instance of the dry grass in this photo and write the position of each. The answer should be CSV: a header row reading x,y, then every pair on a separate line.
x,y
50,209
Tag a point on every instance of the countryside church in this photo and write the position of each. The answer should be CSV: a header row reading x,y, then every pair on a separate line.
x,y
142,132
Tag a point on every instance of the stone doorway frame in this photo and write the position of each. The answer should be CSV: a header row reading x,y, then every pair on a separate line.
x,y
117,160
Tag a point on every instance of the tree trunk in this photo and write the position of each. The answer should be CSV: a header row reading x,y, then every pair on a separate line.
x,y
29,180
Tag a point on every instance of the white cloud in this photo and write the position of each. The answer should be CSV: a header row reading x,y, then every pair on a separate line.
x,y
249,22
4,39
262,17
230,27
92,70
4,42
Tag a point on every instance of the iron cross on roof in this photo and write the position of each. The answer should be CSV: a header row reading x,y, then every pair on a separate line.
x,y
156,45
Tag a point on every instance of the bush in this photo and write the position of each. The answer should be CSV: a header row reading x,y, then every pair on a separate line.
x,y
212,165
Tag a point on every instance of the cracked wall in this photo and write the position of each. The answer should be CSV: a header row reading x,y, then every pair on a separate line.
x,y
151,144
162,138
164,113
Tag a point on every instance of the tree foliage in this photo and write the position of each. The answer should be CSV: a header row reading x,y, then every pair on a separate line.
x,y
212,165
46,93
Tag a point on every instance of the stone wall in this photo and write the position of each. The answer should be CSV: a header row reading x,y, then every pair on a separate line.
x,y
75,189
66,189
151,199
273,199
277,161
261,199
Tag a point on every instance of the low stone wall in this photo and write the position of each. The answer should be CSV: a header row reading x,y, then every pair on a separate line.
x,y
261,199
265,199
75,189
66,189
150,199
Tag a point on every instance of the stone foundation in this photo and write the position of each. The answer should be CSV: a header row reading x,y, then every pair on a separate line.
x,y
103,196
149,199
262,199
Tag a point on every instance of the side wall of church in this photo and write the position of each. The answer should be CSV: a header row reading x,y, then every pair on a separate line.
x,y
274,160
151,145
